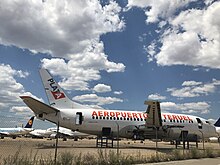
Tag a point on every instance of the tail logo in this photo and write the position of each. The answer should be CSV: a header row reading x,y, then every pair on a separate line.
x,y
55,90
30,122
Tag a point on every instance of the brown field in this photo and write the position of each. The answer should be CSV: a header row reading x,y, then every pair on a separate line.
x,y
45,147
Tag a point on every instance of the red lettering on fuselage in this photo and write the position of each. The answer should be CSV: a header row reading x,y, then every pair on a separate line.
x,y
112,114
119,114
138,115
105,113
176,117
94,113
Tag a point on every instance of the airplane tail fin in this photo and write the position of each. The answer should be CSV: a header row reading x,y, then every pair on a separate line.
x,y
30,122
55,94
217,123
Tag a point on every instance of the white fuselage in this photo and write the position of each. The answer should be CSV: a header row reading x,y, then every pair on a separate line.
x,y
15,131
123,123
41,133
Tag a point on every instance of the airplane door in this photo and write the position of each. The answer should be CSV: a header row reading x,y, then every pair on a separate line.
x,y
199,123
79,118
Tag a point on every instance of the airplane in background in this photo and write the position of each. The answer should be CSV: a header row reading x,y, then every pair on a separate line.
x,y
41,133
216,139
67,133
52,132
15,132
117,123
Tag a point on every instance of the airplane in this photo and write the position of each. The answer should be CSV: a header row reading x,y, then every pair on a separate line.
x,y
117,123
217,138
52,132
14,132
41,133
67,133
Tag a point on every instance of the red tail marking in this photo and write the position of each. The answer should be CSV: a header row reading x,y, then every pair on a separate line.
x,y
58,95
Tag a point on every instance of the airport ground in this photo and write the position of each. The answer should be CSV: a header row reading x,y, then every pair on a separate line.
x,y
46,148
205,161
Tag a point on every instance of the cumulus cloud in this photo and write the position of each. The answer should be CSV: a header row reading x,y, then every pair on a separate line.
x,y
191,35
191,108
21,110
68,30
192,39
11,90
160,9
156,96
93,98
194,89
60,28
101,88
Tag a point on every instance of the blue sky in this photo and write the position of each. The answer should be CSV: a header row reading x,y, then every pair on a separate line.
x,y
112,54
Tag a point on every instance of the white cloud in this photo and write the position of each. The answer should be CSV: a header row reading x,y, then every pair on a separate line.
x,y
21,110
11,89
75,74
93,98
193,107
160,9
118,92
60,28
194,89
191,83
156,96
193,39
101,88
69,30
150,49
191,36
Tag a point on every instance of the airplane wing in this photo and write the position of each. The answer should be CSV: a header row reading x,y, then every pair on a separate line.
x,y
38,107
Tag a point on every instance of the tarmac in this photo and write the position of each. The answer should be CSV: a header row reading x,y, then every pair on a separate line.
x,y
206,161
46,148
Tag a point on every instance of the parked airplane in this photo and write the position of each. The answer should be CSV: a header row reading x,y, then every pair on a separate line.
x,y
14,132
52,132
67,133
41,133
117,123
217,138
